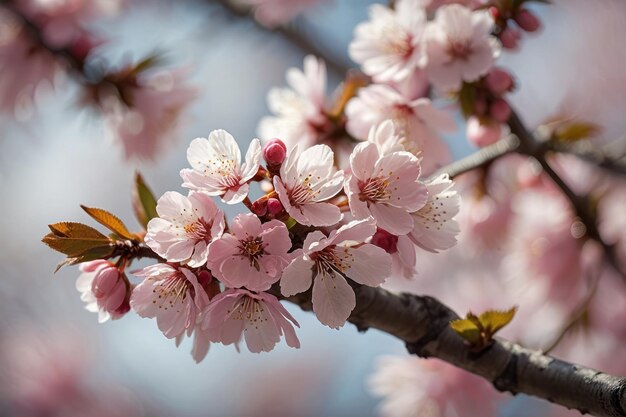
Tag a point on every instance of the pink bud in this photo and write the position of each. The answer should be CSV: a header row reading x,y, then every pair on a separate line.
x,y
527,21
259,207
204,277
385,240
104,281
510,38
115,298
274,152
482,133
274,206
480,106
500,110
498,81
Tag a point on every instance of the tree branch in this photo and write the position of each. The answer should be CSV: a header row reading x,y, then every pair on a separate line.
x,y
530,146
422,322
602,158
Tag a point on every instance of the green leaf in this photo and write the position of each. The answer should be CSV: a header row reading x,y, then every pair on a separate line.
x,y
144,203
575,131
494,320
290,222
467,97
467,329
110,221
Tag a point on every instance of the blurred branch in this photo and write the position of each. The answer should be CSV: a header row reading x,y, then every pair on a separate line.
x,y
530,146
602,158
291,33
422,322
480,158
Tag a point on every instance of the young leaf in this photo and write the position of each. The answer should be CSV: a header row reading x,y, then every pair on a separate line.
x,y
99,252
75,230
144,203
467,329
494,320
74,246
110,221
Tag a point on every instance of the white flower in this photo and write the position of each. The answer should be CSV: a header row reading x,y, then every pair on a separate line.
x,y
389,45
416,120
459,46
217,169
435,227
299,110
185,227
306,181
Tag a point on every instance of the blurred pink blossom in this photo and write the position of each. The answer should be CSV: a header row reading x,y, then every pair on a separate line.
x,y
272,13
154,115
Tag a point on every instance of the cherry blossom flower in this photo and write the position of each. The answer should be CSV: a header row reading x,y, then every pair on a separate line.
x,y
104,289
415,119
259,318
416,387
253,255
435,227
389,45
459,46
217,168
175,297
299,110
272,13
402,252
23,66
306,181
185,227
326,262
385,187
152,119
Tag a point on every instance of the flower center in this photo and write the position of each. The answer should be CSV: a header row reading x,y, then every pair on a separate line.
x,y
174,288
397,41
252,247
460,50
375,190
225,169
302,193
198,230
250,310
332,260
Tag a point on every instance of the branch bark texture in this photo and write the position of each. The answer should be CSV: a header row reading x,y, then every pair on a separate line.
x,y
422,322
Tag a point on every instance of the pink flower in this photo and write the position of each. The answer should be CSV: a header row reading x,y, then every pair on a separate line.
x,y
299,110
326,262
217,168
402,252
272,13
459,46
253,255
185,227
385,187
416,387
175,297
389,45
435,227
483,132
259,318
153,116
415,119
104,289
23,66
306,181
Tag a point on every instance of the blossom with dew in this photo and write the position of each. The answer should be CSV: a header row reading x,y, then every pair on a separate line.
x,y
389,46
252,255
259,318
307,179
385,187
175,297
435,227
298,110
326,262
459,46
416,120
185,227
104,289
216,167
154,115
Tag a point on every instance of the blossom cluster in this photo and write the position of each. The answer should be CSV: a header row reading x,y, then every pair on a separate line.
x,y
316,227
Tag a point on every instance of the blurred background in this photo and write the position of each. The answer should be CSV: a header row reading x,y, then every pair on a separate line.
x,y
55,154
